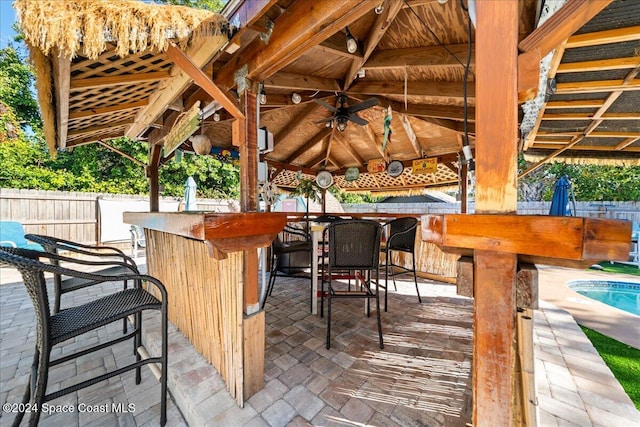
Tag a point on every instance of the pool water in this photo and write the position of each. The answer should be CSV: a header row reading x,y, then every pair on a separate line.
x,y
622,295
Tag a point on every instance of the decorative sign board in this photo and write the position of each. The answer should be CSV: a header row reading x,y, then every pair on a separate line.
x,y
376,166
182,129
425,166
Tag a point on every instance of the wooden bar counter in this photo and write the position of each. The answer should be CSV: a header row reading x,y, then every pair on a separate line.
x,y
199,258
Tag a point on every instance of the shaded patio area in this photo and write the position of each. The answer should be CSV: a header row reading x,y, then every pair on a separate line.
x,y
421,378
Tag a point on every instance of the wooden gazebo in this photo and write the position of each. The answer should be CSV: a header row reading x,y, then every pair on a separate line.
x,y
441,84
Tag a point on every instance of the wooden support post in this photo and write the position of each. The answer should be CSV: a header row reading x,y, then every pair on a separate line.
x,y
153,175
245,135
496,168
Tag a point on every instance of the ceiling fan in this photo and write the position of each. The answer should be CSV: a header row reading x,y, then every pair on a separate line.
x,y
343,114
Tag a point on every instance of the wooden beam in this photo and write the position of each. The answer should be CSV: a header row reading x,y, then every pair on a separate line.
x,y
434,89
623,146
446,112
287,166
122,79
293,81
200,54
429,56
597,86
304,25
561,25
590,116
599,65
627,142
107,110
617,35
340,137
122,153
496,192
528,75
201,79
380,27
578,103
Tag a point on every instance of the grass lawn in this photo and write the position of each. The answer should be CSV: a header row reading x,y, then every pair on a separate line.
x,y
622,359
617,267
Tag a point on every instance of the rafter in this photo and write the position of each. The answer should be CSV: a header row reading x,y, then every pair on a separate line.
x,y
107,110
304,25
308,145
624,146
562,25
296,121
617,35
447,112
122,153
597,86
600,65
340,137
380,27
579,103
589,116
121,79
411,135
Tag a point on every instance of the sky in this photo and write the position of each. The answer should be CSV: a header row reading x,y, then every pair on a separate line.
x,y
7,18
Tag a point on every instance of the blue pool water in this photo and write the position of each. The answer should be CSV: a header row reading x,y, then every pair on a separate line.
x,y
622,295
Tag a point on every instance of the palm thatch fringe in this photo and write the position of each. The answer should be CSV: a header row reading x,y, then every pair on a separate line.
x,y
579,160
87,27
42,67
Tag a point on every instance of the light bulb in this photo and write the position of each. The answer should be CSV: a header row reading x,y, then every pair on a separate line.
x,y
341,123
296,98
361,73
379,9
263,98
352,43
216,117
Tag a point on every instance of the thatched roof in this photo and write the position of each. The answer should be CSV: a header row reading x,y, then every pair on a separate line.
x,y
88,27
98,62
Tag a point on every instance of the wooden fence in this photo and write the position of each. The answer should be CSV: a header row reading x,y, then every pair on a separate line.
x,y
73,215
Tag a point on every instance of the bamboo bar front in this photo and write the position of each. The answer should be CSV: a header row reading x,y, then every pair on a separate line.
x,y
199,258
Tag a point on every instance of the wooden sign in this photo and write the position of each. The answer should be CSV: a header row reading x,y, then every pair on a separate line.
x,y
184,127
376,166
425,166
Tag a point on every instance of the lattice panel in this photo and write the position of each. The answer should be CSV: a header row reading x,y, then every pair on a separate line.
x,y
102,119
109,64
380,181
110,96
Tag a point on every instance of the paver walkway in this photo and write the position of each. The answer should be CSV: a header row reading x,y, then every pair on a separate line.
x,y
421,378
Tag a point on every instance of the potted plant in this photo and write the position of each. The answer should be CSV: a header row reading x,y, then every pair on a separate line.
x,y
308,189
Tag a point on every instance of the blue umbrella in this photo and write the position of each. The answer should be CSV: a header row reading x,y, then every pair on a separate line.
x,y
560,200
190,195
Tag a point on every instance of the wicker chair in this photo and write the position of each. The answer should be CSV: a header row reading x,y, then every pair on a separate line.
x,y
53,329
110,262
354,245
402,238
294,241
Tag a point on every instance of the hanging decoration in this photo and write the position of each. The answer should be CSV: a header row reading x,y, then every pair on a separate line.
x,y
387,128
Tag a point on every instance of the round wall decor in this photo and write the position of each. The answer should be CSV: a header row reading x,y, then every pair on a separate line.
x,y
395,168
351,174
324,179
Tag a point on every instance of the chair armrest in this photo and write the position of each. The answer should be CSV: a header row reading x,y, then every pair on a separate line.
x,y
11,243
55,244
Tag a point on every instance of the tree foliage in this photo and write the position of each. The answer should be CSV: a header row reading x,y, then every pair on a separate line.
x,y
16,80
213,5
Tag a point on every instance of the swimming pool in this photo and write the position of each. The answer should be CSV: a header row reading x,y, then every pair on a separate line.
x,y
622,295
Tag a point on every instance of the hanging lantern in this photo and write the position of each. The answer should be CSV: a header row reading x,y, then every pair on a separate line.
x,y
201,144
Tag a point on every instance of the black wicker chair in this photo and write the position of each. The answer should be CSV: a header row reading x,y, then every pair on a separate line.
x,y
56,328
109,260
294,241
354,245
402,238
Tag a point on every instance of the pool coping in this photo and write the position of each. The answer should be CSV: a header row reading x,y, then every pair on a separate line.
x,y
615,323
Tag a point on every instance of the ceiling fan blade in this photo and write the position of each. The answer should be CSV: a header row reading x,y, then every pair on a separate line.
x,y
325,105
368,103
358,120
